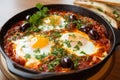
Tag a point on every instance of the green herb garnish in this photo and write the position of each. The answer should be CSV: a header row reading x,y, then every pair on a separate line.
x,y
40,57
23,46
36,18
37,50
34,29
67,43
72,35
76,47
55,35
79,23
60,26
76,61
58,52
52,64
27,56
14,37
79,43
82,52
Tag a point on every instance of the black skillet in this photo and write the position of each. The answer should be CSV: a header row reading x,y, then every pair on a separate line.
x,y
113,35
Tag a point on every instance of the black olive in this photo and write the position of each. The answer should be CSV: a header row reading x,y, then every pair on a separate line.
x,y
72,17
66,62
85,28
24,26
93,35
27,17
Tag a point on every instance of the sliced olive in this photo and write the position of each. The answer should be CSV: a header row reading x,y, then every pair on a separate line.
x,y
27,17
93,35
72,17
66,62
24,26
85,28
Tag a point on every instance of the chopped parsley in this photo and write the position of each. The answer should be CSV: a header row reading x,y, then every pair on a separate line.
x,y
67,42
76,47
34,29
60,26
23,46
52,64
58,52
76,61
27,56
40,57
79,43
72,35
37,50
54,35
82,52
71,56
14,37
79,23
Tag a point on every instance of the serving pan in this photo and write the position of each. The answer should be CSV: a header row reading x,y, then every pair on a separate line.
x,y
113,35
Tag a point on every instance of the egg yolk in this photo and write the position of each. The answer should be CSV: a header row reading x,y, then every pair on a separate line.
x,y
41,42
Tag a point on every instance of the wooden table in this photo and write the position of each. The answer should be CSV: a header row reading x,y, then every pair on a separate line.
x,y
9,8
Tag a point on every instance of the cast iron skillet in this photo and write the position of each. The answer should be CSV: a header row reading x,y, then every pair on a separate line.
x,y
113,35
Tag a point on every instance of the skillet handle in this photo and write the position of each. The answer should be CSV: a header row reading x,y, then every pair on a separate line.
x,y
117,35
27,74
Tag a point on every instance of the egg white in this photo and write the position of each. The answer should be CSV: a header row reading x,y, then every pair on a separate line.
x,y
48,23
23,46
87,45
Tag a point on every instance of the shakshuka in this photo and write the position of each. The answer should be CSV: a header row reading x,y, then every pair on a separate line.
x,y
56,41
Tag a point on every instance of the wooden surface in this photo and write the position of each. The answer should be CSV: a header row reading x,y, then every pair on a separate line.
x,y
9,8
